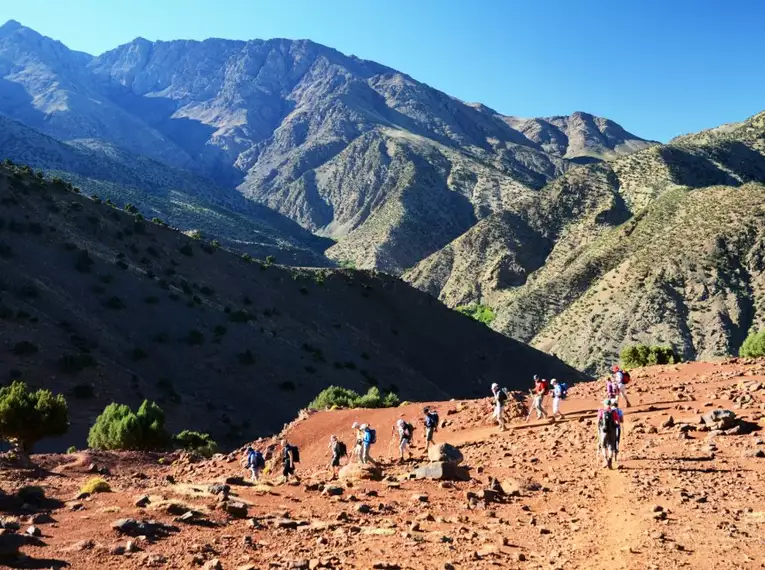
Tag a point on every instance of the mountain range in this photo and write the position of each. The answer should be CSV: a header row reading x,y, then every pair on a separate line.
x,y
389,167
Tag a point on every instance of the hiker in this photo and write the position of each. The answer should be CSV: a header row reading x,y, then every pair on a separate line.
x,y
621,378
612,390
559,392
255,462
431,426
290,456
405,431
500,398
338,450
369,438
358,447
610,419
538,394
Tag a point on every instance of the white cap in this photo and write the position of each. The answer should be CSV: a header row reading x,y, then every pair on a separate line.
x,y
364,426
355,425
553,381
494,386
400,422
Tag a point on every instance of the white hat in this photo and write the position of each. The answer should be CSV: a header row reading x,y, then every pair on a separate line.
x,y
494,386
355,425
553,381
363,427
400,422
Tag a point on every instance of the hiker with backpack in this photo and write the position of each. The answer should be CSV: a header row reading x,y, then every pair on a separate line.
x,y
610,420
621,378
369,438
255,462
359,445
559,392
405,432
538,393
290,456
338,450
500,398
431,426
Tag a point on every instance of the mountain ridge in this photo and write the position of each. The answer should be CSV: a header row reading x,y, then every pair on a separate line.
x,y
346,147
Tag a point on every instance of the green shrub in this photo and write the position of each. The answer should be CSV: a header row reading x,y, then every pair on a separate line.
x,y
753,346
71,449
32,494
95,485
639,355
27,417
195,441
338,397
481,313
118,427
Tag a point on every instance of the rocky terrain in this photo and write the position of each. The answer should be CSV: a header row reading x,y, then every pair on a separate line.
x,y
350,149
659,247
106,306
687,493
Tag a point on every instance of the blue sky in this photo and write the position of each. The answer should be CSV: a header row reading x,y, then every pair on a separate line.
x,y
659,67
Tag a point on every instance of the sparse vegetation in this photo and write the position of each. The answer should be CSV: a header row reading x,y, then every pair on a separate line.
x,y
641,355
338,397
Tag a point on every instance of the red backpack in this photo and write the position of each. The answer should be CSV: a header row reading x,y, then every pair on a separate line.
x,y
544,387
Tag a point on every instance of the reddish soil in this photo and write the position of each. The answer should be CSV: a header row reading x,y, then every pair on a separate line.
x,y
681,497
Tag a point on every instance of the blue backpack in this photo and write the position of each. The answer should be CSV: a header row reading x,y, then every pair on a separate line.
x,y
256,459
370,436
431,420
563,390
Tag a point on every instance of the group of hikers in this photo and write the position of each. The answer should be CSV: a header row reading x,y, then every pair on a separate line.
x,y
610,421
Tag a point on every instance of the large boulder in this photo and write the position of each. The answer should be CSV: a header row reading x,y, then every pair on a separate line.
x,y
442,471
445,452
719,419
360,471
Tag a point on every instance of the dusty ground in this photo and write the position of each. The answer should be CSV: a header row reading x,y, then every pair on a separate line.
x,y
681,497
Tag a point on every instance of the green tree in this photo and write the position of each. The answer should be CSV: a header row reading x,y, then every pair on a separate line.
x,y
118,427
28,416
640,355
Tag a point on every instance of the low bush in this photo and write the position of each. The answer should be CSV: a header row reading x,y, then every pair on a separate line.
x,y
71,449
118,427
639,355
32,494
95,485
480,313
753,346
197,442
338,397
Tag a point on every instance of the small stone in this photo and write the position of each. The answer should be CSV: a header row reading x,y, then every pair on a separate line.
x,y
420,498
34,531
236,509
142,502
131,546
363,509
117,550
521,557
213,564
86,544
333,491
